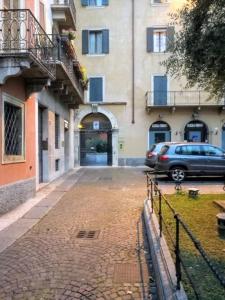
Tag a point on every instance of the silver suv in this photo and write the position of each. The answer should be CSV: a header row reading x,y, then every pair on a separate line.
x,y
184,159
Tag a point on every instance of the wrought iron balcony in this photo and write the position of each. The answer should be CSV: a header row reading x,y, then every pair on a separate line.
x,y
64,13
159,99
67,67
22,37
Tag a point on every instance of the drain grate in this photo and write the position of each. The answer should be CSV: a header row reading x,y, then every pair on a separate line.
x,y
88,234
130,273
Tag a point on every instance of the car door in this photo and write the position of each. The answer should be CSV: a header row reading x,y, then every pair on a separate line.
x,y
215,158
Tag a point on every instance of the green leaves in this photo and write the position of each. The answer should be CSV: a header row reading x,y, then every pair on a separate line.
x,y
199,49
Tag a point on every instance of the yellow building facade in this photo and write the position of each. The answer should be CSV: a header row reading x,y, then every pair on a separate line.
x,y
131,103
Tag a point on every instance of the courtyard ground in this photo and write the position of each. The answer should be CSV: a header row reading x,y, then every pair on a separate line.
x,y
90,245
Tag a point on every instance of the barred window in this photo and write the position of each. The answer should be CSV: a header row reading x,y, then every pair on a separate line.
x,y
57,131
13,129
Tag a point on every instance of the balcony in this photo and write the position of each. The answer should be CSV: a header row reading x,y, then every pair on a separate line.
x,y
25,48
64,13
68,74
176,99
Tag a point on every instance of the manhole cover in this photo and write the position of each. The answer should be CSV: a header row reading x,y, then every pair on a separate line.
x,y
88,234
130,273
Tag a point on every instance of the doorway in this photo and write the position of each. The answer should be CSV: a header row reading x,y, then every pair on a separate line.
x,y
40,143
96,141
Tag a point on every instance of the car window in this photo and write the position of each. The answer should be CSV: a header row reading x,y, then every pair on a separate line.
x,y
212,151
189,150
164,150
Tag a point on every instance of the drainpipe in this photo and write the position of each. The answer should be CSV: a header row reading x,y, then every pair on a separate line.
x,y
133,67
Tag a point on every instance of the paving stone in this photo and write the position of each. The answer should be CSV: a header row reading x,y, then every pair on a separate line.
x,y
49,262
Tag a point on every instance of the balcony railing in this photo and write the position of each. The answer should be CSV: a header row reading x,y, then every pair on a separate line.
x,y
65,56
68,5
181,99
21,34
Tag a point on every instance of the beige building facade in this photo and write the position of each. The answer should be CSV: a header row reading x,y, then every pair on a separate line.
x,y
131,103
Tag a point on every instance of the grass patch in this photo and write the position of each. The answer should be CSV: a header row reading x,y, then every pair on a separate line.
x,y
200,215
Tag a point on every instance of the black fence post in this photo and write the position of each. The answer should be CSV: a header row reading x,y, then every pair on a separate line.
x,y
160,213
177,252
152,200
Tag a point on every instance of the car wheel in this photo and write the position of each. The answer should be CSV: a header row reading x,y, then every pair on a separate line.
x,y
177,174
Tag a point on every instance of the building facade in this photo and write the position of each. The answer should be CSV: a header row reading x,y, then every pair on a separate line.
x,y
131,103
41,85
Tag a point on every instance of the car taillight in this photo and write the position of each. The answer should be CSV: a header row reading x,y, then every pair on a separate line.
x,y
149,154
163,157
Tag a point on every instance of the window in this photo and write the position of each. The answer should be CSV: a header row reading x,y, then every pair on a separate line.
x,y
95,42
96,89
212,151
42,14
160,90
57,131
159,39
13,110
97,3
57,164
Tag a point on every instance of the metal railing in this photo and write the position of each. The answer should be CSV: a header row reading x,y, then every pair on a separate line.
x,y
159,203
62,55
22,34
69,3
180,98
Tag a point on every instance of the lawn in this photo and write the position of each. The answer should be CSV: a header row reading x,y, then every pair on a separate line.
x,y
200,215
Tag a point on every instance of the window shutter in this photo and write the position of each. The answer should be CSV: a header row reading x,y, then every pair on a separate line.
x,y
170,38
105,2
84,2
96,89
105,41
150,40
85,41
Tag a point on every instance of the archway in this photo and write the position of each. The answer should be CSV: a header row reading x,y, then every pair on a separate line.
x,y
196,131
159,132
114,131
95,140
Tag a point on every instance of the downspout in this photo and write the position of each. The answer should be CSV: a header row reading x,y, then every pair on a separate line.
x,y
133,67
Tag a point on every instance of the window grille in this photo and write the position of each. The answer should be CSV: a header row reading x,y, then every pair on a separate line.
x,y
13,129
57,131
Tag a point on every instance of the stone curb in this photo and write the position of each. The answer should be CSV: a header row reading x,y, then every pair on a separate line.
x,y
162,261
18,228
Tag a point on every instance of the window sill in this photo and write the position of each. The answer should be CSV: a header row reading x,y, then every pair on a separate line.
x,y
95,7
160,4
11,159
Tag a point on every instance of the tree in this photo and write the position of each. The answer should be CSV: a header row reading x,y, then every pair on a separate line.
x,y
198,52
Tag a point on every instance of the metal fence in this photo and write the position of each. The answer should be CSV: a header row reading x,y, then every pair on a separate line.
x,y
181,98
21,34
201,276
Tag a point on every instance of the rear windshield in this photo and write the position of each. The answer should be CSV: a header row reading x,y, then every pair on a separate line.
x,y
164,150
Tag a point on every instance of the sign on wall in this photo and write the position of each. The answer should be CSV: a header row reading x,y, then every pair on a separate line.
x,y
96,125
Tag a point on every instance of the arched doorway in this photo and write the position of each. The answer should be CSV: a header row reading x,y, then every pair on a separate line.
x,y
95,140
196,131
159,132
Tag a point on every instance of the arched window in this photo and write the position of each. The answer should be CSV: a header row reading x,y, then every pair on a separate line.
x,y
196,131
159,132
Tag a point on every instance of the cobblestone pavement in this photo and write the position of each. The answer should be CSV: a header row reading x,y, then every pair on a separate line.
x,y
54,260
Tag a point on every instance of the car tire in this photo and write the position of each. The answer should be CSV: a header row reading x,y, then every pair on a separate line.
x,y
177,174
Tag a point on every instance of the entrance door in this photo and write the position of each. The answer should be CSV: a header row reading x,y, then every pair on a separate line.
x,y
40,139
95,148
